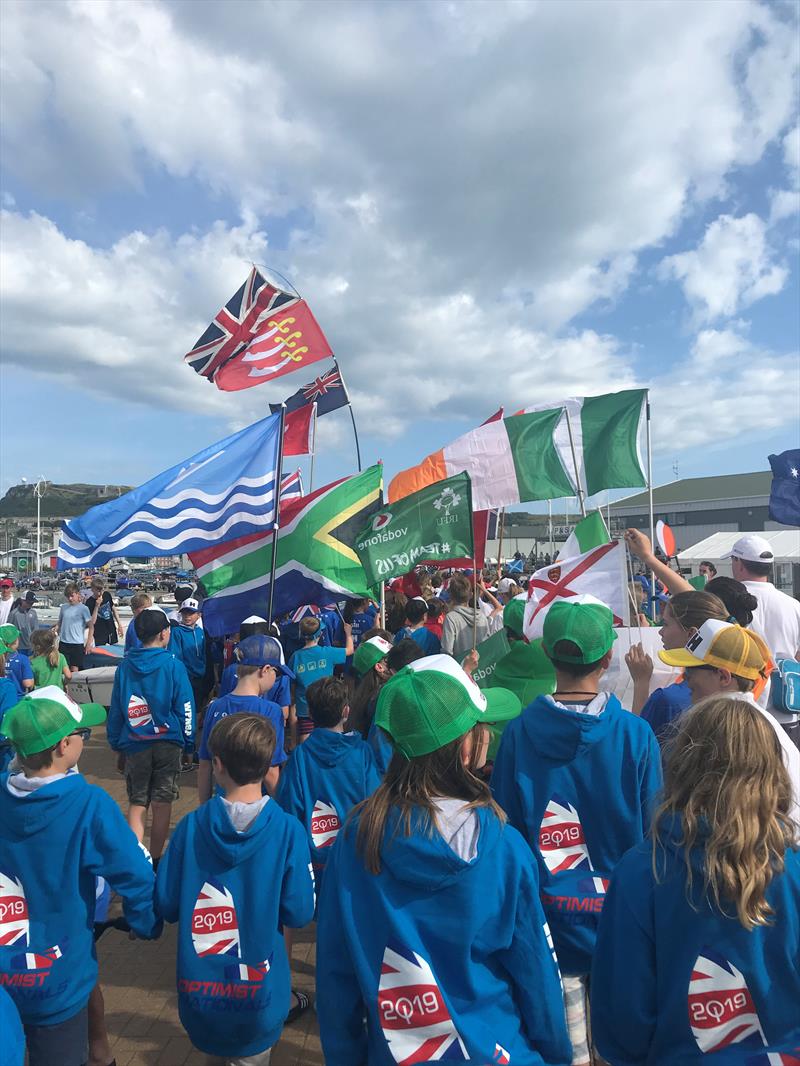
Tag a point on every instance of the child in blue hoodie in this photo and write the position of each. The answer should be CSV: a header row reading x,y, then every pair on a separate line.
x,y
281,691
432,944
18,666
236,869
151,725
576,774
59,834
698,955
188,645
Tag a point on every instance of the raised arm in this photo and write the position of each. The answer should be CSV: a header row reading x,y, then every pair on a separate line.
x,y
640,546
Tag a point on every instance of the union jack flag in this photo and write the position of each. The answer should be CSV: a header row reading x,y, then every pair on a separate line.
x,y
325,824
561,839
31,960
14,924
139,716
215,927
291,486
721,1009
775,1058
328,392
414,1017
261,333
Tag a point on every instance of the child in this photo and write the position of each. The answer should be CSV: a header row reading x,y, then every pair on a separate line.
x,y
188,645
699,943
369,665
576,774
48,664
407,651
309,664
18,666
362,615
431,937
24,617
281,691
107,626
59,834
151,724
236,869
71,629
435,619
329,774
462,620
259,665
8,699
140,601
415,628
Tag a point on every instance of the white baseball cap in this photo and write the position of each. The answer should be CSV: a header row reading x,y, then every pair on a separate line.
x,y
751,549
190,605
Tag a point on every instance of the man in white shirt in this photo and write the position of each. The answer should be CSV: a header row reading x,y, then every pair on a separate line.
x,y
777,617
6,599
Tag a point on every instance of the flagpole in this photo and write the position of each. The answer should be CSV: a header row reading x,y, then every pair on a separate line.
x,y
276,526
313,451
383,605
652,603
578,486
474,601
501,521
550,526
352,416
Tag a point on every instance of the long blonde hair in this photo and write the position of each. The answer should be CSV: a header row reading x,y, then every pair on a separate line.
x,y
410,785
724,778
44,642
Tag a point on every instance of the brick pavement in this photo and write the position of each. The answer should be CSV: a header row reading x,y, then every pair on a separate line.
x,y
138,978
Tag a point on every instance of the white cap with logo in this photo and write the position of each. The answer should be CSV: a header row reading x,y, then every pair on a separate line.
x,y
751,549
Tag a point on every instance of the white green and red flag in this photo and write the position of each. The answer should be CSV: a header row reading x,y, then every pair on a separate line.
x,y
589,533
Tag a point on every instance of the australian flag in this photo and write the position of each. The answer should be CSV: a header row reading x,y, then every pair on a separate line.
x,y
784,496
327,391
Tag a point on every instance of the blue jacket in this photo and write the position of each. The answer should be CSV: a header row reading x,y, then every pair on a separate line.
x,y
673,981
55,842
382,750
663,706
363,621
324,779
233,704
131,640
428,641
230,892
439,954
151,700
579,787
188,644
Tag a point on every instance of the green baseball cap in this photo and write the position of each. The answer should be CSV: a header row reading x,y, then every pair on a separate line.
x,y
370,652
9,633
513,615
588,623
46,716
432,701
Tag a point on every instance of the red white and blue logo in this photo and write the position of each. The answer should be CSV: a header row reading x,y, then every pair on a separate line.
x,y
414,1017
31,960
721,1009
325,824
501,1056
561,839
139,717
774,1058
242,972
14,923
599,885
215,928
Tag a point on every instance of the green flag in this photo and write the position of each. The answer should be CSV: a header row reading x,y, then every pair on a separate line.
x,y
610,431
589,533
433,524
490,652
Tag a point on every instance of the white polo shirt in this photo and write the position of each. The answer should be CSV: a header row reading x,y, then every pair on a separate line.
x,y
777,620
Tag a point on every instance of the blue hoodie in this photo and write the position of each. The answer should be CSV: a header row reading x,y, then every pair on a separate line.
x,y
672,980
233,704
230,892
280,693
446,958
325,778
579,786
381,746
56,840
151,700
188,644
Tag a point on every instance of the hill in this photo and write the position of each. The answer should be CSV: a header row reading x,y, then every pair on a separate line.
x,y
58,500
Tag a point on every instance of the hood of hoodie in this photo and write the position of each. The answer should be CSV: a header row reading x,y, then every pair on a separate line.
x,y
147,661
328,749
44,809
559,734
671,832
425,860
221,838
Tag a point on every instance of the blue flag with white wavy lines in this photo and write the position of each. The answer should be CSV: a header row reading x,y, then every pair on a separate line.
x,y
225,491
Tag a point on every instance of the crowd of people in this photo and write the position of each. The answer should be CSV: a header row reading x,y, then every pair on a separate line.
x,y
519,872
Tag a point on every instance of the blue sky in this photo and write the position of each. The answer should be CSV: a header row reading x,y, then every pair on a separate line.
x,y
540,201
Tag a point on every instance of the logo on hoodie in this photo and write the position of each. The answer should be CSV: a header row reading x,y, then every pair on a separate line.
x,y
414,1017
14,923
240,971
721,1009
139,717
561,839
215,927
31,960
325,824
501,1056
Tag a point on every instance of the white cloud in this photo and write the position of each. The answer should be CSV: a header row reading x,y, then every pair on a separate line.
x,y
730,269
785,203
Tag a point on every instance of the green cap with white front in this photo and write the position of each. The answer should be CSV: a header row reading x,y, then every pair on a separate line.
x,y
369,653
432,701
585,622
46,716
9,633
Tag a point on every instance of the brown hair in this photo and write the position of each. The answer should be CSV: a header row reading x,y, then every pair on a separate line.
x,y
309,627
410,786
725,779
40,760
327,699
691,609
244,744
44,642
460,589
70,589
141,599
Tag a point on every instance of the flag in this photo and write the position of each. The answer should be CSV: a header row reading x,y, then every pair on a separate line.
x,y
490,652
784,496
512,460
595,575
261,333
14,921
589,533
605,433
226,490
215,927
31,960
561,840
315,562
327,391
291,486
721,1009
325,824
297,431
434,523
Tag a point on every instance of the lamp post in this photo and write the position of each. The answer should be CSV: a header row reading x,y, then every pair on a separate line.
x,y
39,490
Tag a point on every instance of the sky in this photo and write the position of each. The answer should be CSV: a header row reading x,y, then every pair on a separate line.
x,y
484,204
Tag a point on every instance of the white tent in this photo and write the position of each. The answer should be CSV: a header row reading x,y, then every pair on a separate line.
x,y
785,543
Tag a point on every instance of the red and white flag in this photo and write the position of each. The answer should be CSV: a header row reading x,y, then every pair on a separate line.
x,y
596,575
298,431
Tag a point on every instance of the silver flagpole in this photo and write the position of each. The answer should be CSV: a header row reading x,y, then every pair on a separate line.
x,y
276,527
313,451
578,486
652,603
352,416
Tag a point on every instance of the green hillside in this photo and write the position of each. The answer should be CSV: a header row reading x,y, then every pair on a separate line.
x,y
58,500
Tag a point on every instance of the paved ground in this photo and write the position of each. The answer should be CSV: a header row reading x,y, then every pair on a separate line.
x,y
138,978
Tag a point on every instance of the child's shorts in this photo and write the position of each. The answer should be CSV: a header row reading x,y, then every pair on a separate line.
x,y
152,775
66,1043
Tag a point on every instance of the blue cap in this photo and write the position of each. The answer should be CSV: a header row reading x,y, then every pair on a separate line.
x,y
261,650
